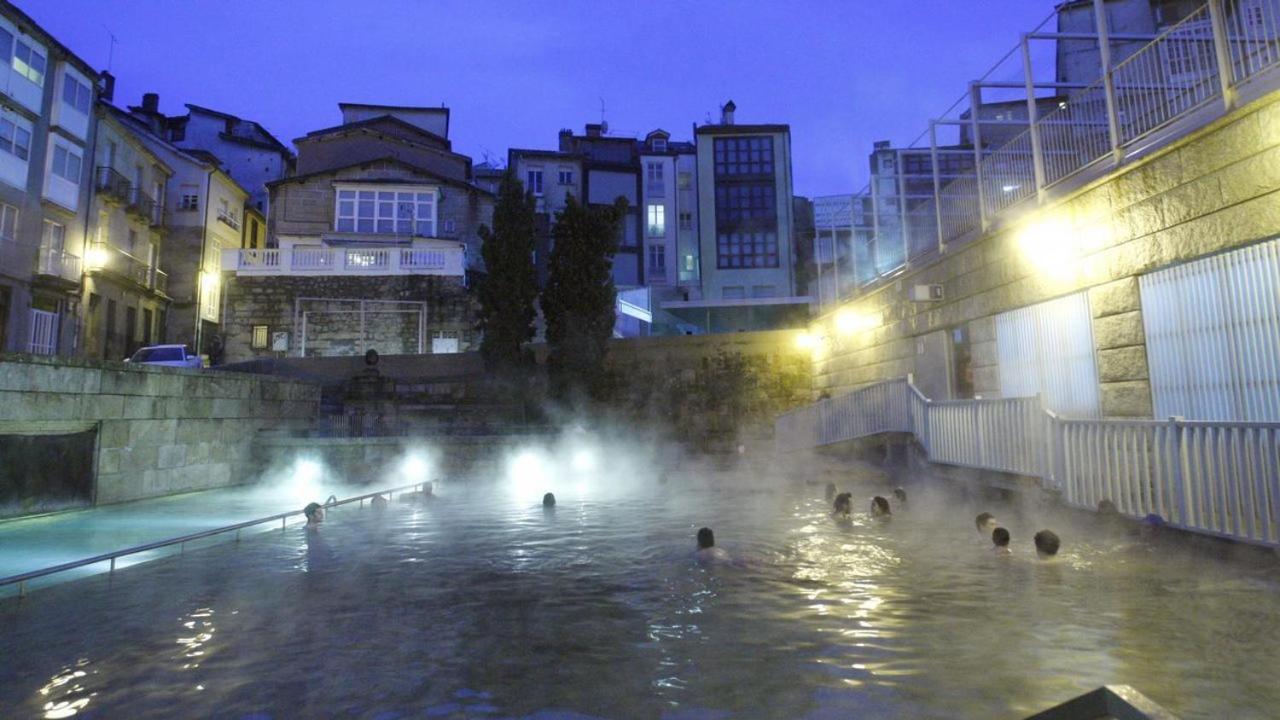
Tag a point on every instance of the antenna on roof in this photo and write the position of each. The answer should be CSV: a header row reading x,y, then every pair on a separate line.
x,y
111,47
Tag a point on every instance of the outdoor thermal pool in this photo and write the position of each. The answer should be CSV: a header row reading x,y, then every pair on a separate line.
x,y
480,604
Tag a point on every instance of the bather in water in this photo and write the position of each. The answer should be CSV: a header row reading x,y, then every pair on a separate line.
x,y
843,506
1047,544
314,513
986,523
707,550
880,507
549,500
1000,542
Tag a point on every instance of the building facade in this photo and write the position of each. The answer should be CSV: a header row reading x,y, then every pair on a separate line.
x,y
371,244
47,128
124,297
251,155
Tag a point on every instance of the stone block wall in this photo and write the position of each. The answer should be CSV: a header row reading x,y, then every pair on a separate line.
x,y
160,430
334,329
1212,191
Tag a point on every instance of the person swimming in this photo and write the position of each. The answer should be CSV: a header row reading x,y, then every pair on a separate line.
x,y
549,500
880,507
1000,541
831,491
707,549
314,512
1047,544
843,506
900,496
986,523
378,502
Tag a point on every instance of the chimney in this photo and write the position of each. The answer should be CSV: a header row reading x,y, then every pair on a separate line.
x,y
880,145
726,113
107,86
151,102
566,140
593,130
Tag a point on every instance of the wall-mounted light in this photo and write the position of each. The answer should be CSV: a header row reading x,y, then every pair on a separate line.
x,y
96,257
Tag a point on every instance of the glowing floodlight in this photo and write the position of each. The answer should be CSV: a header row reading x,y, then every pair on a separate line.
x,y
304,485
851,321
414,469
584,460
1051,247
527,472
805,341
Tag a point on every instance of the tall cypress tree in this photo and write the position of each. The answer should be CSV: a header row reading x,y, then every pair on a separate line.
x,y
580,297
508,291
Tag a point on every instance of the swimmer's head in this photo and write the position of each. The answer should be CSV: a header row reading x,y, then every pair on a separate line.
x,y
844,503
900,495
986,522
1047,544
880,506
831,490
706,538
1000,537
549,500
1108,509
314,513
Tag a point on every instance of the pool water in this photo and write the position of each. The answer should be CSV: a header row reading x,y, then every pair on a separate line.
x,y
481,604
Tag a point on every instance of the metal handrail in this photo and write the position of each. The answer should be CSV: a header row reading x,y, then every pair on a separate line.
x,y
22,578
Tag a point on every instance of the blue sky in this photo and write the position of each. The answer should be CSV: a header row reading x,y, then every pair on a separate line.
x,y
842,74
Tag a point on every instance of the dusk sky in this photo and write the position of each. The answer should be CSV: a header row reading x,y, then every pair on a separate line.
x,y
842,74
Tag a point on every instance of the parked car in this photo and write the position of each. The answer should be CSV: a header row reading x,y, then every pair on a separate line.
x,y
167,355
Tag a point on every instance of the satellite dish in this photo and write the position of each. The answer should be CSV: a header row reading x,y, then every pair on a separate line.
x,y
604,127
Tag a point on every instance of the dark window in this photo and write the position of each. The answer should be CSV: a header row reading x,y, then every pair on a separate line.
x,y
148,319
130,330
4,315
111,330
743,156
962,362
746,226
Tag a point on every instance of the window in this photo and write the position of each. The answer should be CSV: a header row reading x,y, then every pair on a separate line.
x,y
746,250
684,180
15,140
55,236
534,184
75,93
66,163
659,144
6,45
260,333
189,197
29,62
148,322
733,292
686,220
8,222
657,221
658,258
742,203
764,291
391,212
744,156
133,242
566,177
654,184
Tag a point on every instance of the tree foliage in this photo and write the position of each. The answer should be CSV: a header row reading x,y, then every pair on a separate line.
x,y
508,291
578,302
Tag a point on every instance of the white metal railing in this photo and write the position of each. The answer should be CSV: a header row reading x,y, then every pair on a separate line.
x,y
1178,81
22,579
346,261
1219,478
56,263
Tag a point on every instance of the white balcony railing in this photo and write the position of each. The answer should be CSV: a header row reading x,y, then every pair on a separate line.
x,y
54,263
346,261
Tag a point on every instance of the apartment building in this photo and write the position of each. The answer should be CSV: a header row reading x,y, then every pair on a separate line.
x,y
47,97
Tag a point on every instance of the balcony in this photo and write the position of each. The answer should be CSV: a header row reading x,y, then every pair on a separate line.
x,y
105,257
373,261
162,282
57,264
142,205
230,218
111,185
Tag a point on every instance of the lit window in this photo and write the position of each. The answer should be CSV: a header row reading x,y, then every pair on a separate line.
x,y
75,93
657,221
15,140
66,163
535,182
390,212
29,62
259,337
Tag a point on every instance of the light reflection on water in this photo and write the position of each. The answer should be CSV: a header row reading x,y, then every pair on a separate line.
x,y
478,600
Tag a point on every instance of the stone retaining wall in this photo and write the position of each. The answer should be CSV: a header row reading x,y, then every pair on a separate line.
x,y
160,430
